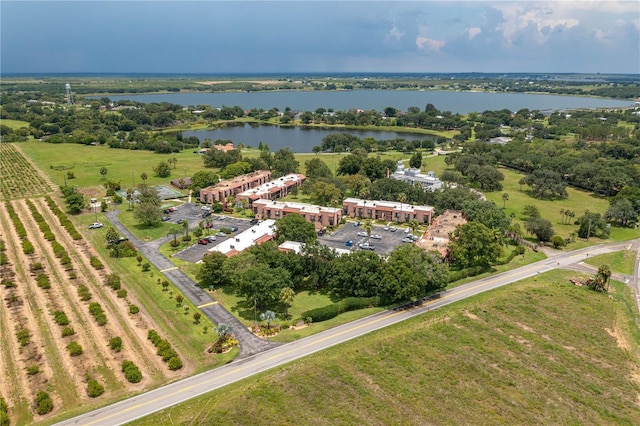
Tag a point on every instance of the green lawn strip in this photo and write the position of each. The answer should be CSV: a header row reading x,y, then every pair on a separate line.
x,y
619,261
535,352
175,324
14,124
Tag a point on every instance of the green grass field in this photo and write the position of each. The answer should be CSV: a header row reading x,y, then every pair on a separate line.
x,y
14,124
619,261
535,352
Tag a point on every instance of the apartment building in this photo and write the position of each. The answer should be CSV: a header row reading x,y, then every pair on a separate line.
x,y
238,184
318,215
388,211
271,190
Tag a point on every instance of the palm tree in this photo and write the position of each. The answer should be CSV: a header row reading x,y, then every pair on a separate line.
x,y
505,198
103,172
521,182
268,316
286,297
605,272
223,330
174,232
562,211
414,225
174,160
185,226
144,177
367,226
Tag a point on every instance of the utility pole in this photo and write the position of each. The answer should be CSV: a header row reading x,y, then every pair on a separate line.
x,y
589,230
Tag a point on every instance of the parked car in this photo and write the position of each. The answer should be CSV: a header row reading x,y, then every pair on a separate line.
x,y
165,218
208,225
356,223
211,238
95,225
321,232
203,241
376,237
221,234
393,229
407,230
349,243
166,211
254,221
362,234
206,213
407,240
171,209
234,228
366,246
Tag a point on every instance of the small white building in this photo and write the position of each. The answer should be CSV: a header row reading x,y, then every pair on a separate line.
x,y
412,176
256,235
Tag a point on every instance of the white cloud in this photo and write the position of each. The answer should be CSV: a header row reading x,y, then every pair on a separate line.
x,y
541,16
473,32
394,35
429,44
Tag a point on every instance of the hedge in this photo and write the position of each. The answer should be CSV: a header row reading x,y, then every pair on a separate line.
x,y
345,305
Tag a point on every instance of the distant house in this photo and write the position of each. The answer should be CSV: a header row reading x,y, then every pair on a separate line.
x,y
412,176
225,148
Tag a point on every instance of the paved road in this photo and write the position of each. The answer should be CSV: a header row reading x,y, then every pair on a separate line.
x,y
174,393
250,344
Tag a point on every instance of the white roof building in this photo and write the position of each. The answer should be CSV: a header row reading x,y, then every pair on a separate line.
x,y
257,234
411,175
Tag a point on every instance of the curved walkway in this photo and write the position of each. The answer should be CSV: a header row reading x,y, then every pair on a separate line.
x,y
250,344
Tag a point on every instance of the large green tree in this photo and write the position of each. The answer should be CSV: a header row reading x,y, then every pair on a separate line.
x,y
148,211
293,227
162,169
473,244
541,228
358,275
211,273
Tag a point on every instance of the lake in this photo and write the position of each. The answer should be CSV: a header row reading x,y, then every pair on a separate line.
x,y
296,138
456,102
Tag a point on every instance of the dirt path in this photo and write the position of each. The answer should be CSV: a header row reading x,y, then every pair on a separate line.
x,y
132,330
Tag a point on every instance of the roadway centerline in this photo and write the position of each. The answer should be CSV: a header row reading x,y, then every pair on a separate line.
x,y
207,304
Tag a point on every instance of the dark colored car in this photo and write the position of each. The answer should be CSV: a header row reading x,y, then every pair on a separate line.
x,y
234,228
165,218
254,221
321,232
203,241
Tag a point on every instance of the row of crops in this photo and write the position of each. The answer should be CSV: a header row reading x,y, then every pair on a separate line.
x,y
18,178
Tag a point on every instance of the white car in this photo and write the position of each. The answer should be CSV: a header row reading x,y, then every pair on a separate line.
x,y
96,225
362,234
376,237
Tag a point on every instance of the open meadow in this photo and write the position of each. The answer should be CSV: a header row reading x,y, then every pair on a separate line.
x,y
505,357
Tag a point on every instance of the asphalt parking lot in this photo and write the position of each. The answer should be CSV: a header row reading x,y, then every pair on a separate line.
x,y
195,252
384,245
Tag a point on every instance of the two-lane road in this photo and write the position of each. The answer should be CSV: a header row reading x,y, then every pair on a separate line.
x,y
174,393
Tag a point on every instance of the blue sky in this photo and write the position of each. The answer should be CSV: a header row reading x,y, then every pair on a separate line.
x,y
319,36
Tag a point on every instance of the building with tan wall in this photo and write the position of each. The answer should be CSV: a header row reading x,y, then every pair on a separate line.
x,y
318,215
388,211
224,188
271,190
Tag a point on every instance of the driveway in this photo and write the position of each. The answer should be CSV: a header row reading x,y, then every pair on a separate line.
x,y
250,344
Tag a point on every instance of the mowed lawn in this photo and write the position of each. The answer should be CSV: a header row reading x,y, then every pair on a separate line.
x,y
536,352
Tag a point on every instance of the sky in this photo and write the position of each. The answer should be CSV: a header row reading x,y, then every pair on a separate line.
x,y
218,37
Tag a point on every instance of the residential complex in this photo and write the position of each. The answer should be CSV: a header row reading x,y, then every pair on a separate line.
x,y
318,215
256,235
390,211
412,176
238,184
276,188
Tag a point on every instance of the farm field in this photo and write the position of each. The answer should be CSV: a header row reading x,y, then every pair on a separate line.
x,y
536,352
17,176
67,333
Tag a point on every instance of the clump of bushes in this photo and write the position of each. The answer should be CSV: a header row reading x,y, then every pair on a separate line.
x,y
115,343
60,318
94,389
113,281
43,281
4,412
33,369
23,335
165,350
74,349
98,314
83,292
131,372
44,403
27,247
68,331
133,309
122,293
96,263
345,305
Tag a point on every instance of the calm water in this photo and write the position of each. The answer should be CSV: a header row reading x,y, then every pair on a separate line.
x,y
456,102
297,139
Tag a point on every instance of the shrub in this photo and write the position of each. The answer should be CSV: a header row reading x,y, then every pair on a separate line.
x,y
94,389
557,241
68,331
44,403
27,247
33,369
115,343
74,349
83,292
24,337
131,372
133,309
60,318
122,293
146,267
345,305
96,263
174,363
113,281
36,266
43,281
